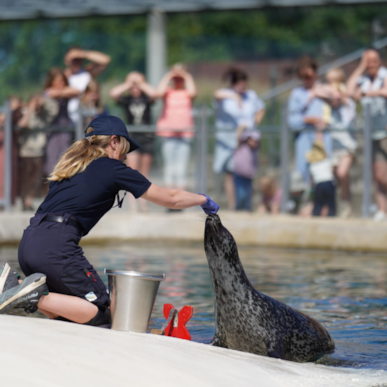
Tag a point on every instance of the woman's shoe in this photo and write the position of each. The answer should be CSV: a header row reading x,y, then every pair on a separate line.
x,y
8,278
26,295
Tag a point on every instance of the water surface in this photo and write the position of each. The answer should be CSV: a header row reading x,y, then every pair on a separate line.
x,y
347,292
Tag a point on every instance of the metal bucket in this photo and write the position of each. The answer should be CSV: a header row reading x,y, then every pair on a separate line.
x,y
132,296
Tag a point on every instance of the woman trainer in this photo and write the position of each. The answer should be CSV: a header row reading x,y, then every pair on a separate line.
x,y
60,281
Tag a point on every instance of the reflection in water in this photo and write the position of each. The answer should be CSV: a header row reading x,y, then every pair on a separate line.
x,y
344,291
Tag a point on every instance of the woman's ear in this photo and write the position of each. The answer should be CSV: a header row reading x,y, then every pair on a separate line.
x,y
114,141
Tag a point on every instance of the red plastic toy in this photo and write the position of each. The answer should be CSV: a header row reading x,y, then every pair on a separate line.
x,y
175,324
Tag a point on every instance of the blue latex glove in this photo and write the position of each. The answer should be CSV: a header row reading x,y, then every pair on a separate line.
x,y
209,207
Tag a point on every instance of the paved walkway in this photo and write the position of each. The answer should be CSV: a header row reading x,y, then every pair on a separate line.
x,y
40,352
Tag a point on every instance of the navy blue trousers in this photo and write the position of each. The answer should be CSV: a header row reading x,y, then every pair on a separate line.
x,y
243,192
52,249
324,195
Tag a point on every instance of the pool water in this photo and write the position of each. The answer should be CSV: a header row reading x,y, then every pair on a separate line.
x,y
347,292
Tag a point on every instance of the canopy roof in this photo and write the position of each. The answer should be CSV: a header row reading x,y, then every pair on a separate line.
x,y
32,9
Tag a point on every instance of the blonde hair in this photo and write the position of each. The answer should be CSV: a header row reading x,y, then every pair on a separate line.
x,y
178,66
92,86
337,74
268,184
82,153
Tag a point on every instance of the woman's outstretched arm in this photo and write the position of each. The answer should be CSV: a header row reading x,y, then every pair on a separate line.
x,y
173,198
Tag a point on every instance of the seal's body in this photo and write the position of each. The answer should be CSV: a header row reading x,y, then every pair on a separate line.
x,y
249,321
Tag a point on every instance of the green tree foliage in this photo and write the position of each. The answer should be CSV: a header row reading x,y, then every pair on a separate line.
x,y
28,49
269,33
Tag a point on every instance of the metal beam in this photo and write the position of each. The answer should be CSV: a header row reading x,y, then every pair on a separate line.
x,y
34,9
367,163
285,158
156,58
7,193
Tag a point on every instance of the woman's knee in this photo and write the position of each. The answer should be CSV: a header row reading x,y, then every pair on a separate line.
x,y
102,317
342,170
341,173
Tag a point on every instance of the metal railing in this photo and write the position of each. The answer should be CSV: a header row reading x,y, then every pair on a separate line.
x,y
367,163
204,133
6,200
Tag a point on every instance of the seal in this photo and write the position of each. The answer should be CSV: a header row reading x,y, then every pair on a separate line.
x,y
250,321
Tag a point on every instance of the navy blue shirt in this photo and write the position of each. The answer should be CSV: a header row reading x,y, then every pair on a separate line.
x,y
90,194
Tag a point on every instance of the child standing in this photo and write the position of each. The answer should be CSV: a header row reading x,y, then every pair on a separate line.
x,y
321,171
245,166
271,196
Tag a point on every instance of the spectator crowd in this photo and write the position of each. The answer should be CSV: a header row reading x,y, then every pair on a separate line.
x,y
320,116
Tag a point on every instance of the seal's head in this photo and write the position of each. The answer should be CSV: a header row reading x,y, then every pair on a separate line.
x,y
219,244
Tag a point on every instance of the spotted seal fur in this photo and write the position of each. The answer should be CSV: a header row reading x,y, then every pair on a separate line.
x,y
250,321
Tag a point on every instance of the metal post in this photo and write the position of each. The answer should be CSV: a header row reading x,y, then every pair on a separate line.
x,y
198,153
284,160
79,133
273,74
367,162
156,56
202,150
8,157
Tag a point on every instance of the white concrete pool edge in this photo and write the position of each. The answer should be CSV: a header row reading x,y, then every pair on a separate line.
x,y
41,352
248,229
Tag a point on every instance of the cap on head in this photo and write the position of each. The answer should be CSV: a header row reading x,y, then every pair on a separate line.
x,y
110,126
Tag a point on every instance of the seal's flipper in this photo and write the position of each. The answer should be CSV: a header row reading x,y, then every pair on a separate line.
x,y
275,350
217,343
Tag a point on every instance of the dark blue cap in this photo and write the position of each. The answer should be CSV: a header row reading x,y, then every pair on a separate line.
x,y
109,126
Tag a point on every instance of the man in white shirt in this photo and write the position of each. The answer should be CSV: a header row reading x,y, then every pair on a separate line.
x,y
368,84
79,75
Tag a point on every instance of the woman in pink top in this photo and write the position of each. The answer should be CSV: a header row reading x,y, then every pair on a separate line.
x,y
175,124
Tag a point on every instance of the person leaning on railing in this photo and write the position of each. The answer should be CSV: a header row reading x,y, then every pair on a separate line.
x,y
305,116
368,84
57,87
39,113
60,281
16,106
341,112
236,107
